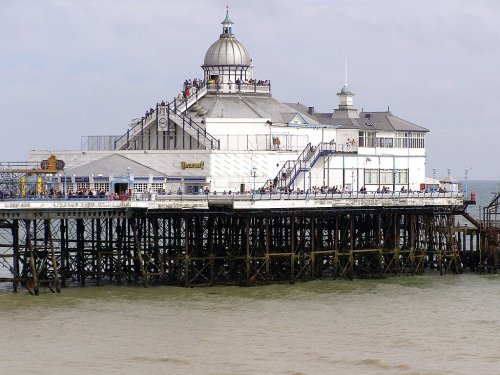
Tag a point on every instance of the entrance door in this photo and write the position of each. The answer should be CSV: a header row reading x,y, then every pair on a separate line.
x,y
121,188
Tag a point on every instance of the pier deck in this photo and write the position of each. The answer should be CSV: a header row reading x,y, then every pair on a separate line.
x,y
236,201
240,239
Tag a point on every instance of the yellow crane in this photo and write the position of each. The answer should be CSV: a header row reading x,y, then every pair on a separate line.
x,y
16,174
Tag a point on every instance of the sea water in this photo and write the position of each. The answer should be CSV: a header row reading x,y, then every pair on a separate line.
x,y
406,325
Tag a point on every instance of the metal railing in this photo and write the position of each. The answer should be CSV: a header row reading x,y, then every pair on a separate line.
x,y
256,87
98,142
354,195
261,142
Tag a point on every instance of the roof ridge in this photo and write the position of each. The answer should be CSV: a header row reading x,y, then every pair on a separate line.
x,y
136,162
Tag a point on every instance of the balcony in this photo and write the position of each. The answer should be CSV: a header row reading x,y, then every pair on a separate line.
x,y
260,87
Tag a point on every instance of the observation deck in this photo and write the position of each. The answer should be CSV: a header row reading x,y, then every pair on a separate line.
x,y
240,88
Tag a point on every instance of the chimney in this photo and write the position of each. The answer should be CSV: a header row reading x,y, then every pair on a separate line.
x,y
311,110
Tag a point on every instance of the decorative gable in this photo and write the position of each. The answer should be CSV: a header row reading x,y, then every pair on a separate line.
x,y
298,119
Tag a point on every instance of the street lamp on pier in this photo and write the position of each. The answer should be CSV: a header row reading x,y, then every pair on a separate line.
x,y
393,175
466,187
63,183
254,174
129,189
64,186
352,181
434,178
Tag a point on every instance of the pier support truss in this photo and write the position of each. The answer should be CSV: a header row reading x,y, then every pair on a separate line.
x,y
225,246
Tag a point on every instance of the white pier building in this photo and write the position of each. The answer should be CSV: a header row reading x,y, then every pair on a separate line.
x,y
228,133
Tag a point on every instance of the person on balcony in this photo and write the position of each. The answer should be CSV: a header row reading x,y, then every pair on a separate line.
x,y
278,142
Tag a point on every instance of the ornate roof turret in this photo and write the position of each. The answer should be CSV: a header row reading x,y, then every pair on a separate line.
x,y
345,90
345,95
345,109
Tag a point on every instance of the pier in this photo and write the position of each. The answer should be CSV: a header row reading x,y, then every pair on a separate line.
x,y
239,239
339,195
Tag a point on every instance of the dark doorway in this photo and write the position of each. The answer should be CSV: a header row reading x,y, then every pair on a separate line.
x,y
121,188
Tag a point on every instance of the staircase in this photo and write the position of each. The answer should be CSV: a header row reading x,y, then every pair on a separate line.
x,y
486,228
304,163
174,111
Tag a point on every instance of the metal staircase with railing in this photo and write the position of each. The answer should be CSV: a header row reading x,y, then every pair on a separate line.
x,y
173,112
292,169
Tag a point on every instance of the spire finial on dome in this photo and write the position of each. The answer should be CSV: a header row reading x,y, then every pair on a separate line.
x,y
346,70
227,23
345,89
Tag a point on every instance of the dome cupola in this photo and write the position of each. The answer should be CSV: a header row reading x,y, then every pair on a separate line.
x,y
227,60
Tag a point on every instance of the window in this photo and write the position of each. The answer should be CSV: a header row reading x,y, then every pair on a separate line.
x,y
386,176
385,142
401,176
155,186
416,139
367,139
409,139
139,187
371,176
401,140
101,186
82,186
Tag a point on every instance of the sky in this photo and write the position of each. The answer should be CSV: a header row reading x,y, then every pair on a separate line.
x,y
76,68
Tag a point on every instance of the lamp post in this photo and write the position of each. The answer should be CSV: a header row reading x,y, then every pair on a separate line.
x,y
129,192
393,174
65,190
466,187
352,181
254,174
434,177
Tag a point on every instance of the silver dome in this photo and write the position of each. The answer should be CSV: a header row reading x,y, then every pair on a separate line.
x,y
227,51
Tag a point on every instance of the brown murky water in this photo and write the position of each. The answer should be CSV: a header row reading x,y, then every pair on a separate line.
x,y
406,325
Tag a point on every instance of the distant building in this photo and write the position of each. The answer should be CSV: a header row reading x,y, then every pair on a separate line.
x,y
450,184
225,132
